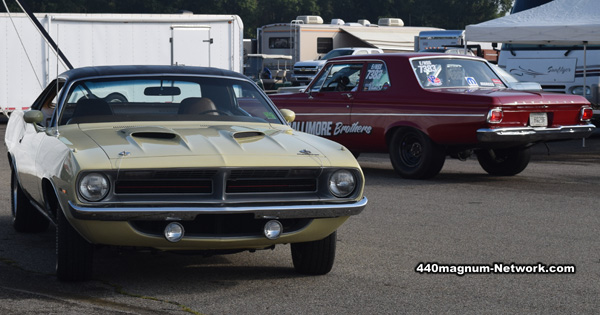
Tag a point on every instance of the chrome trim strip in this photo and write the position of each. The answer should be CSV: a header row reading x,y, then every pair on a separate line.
x,y
390,114
329,210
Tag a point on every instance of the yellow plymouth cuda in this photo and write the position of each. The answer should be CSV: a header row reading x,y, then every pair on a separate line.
x,y
176,159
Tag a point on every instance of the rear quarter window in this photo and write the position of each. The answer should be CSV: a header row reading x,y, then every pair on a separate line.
x,y
376,77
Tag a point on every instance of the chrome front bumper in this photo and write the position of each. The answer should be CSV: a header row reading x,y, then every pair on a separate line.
x,y
531,134
330,210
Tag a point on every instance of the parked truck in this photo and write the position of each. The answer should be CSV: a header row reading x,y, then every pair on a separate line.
x,y
27,63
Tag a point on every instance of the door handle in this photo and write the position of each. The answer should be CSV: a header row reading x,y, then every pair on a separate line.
x,y
348,95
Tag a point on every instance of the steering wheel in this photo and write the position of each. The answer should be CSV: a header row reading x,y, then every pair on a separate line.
x,y
214,111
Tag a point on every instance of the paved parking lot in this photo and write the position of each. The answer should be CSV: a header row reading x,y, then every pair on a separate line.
x,y
548,215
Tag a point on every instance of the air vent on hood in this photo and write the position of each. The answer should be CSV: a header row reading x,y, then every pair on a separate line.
x,y
248,134
154,135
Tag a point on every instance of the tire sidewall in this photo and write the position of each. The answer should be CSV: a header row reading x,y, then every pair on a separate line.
x,y
504,162
414,155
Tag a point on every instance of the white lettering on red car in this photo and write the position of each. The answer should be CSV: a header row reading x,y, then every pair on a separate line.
x,y
323,128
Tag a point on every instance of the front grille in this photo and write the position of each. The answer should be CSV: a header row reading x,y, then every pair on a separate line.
x,y
305,71
163,187
220,225
271,185
272,180
165,182
213,181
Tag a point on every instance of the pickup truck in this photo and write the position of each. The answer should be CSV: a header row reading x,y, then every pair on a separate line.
x,y
305,71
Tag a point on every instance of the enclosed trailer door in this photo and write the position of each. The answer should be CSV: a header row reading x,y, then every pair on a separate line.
x,y
190,45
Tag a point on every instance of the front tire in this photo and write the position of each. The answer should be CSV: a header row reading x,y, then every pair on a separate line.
x,y
74,255
504,162
314,258
26,218
414,155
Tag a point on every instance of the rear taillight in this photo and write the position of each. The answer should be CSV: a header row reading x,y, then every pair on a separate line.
x,y
495,116
586,114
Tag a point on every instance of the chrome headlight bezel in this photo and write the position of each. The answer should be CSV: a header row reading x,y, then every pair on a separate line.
x,y
342,183
93,186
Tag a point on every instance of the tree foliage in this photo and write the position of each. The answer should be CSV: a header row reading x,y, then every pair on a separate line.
x,y
448,14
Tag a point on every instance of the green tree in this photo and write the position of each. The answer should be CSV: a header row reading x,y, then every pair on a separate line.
x,y
456,14
448,14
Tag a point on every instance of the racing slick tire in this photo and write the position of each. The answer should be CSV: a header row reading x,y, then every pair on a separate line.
x,y
25,217
74,255
414,155
316,257
504,162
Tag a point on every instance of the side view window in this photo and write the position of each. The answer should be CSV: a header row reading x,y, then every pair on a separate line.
x,y
46,103
376,77
339,78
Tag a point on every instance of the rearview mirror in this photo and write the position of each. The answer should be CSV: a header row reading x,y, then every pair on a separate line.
x,y
162,90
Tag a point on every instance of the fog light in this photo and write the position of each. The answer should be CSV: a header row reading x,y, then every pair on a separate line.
x,y
273,229
174,232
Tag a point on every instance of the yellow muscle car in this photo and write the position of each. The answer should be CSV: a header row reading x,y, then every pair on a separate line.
x,y
175,159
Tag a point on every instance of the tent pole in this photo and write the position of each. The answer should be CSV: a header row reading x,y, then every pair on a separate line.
x,y
584,68
584,79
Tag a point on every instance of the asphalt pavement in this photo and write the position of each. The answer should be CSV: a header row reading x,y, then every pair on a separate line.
x,y
463,217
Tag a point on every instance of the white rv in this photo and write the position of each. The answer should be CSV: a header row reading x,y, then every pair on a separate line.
x,y
27,63
308,38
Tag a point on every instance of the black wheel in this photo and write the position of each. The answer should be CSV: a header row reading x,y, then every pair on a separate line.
x,y
314,258
505,162
414,155
26,218
74,255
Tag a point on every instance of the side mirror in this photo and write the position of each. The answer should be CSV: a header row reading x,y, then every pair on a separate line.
x,y
288,115
33,117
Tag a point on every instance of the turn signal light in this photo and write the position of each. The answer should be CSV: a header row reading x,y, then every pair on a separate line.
x,y
586,114
495,116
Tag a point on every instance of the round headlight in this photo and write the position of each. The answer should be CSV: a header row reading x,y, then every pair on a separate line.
x,y
342,183
93,187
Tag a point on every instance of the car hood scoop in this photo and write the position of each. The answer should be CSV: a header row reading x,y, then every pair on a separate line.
x,y
154,135
210,144
150,132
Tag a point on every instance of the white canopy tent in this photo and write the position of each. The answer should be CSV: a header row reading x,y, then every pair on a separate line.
x,y
556,22
559,22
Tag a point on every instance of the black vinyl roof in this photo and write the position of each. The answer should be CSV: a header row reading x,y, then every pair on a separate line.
x,y
99,71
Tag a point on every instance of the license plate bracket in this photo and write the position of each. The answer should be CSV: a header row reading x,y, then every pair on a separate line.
x,y
538,119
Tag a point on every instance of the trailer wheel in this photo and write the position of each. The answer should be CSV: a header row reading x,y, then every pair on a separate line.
x,y
115,98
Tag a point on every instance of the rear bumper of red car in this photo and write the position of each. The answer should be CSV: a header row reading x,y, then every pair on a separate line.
x,y
534,134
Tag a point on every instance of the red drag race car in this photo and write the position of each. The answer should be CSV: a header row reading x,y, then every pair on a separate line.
x,y
423,107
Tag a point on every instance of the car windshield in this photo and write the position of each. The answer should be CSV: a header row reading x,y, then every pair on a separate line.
x,y
165,98
337,53
455,72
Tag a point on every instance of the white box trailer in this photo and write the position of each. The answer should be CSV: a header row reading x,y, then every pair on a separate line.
x,y
27,63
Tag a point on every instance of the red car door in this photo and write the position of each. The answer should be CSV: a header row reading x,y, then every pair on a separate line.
x,y
326,107
372,110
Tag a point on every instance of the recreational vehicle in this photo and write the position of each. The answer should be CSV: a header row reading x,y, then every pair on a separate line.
x,y
308,38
